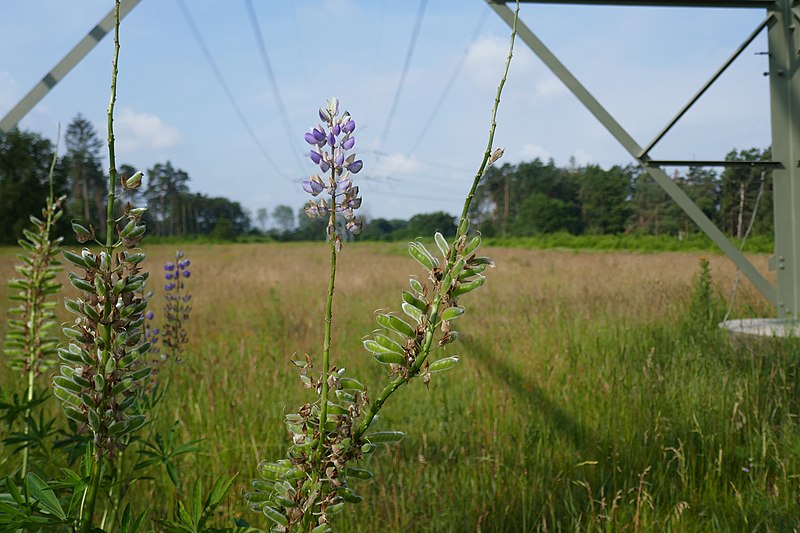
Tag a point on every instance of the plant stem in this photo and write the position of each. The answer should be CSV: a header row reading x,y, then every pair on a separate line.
x,y
40,264
91,498
326,345
434,312
86,523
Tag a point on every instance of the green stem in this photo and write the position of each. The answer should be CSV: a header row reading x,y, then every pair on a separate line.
x,y
326,345
87,519
434,312
36,298
91,498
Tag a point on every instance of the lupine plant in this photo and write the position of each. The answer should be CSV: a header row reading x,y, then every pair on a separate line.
x,y
29,345
99,376
304,490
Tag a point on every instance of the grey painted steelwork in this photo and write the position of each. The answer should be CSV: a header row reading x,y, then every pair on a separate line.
x,y
654,3
63,67
786,152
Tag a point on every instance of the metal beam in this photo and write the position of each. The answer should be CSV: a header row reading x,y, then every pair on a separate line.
x,y
63,67
784,76
619,133
652,3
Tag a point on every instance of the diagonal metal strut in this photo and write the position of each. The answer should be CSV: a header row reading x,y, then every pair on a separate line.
x,y
633,148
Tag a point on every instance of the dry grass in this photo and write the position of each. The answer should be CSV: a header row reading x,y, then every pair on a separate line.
x,y
585,400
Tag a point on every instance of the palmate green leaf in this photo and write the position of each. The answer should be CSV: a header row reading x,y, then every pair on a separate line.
x,y
40,491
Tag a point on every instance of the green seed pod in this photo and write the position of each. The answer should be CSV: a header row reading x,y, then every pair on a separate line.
x,y
412,312
65,396
390,344
322,528
74,414
349,496
335,508
111,365
134,258
257,497
420,304
72,306
472,245
135,422
82,233
336,409
99,382
80,284
126,231
351,383
395,324
118,428
422,256
463,226
452,313
359,473
416,286
275,515
368,448
121,386
263,486
443,364
447,282
469,286
442,244
385,437
67,383
94,421
77,260
392,358
100,286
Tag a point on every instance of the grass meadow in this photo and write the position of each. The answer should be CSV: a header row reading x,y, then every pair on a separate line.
x,y
591,394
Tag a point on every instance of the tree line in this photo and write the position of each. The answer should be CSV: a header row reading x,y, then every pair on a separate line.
x,y
526,199
174,210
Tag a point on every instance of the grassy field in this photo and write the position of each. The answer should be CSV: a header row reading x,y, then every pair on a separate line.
x,y
589,396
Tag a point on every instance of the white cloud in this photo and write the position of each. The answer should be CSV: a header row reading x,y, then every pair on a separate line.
x,y
530,152
487,56
137,131
582,157
393,165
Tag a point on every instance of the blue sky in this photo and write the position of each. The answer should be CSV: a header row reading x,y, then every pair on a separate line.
x,y
643,64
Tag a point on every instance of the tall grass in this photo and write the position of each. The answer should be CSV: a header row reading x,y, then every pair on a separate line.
x,y
593,401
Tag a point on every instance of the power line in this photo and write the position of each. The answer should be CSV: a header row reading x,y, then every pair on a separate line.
x,y
409,55
456,72
198,37
273,81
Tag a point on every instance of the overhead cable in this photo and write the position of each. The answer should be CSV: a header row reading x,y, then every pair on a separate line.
x,y
409,55
456,72
273,81
209,58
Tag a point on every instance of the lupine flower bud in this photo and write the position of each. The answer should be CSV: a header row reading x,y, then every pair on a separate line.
x,y
323,115
354,227
186,273
337,129
134,181
183,264
310,138
349,126
355,166
339,161
345,183
348,143
331,140
315,156
169,266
